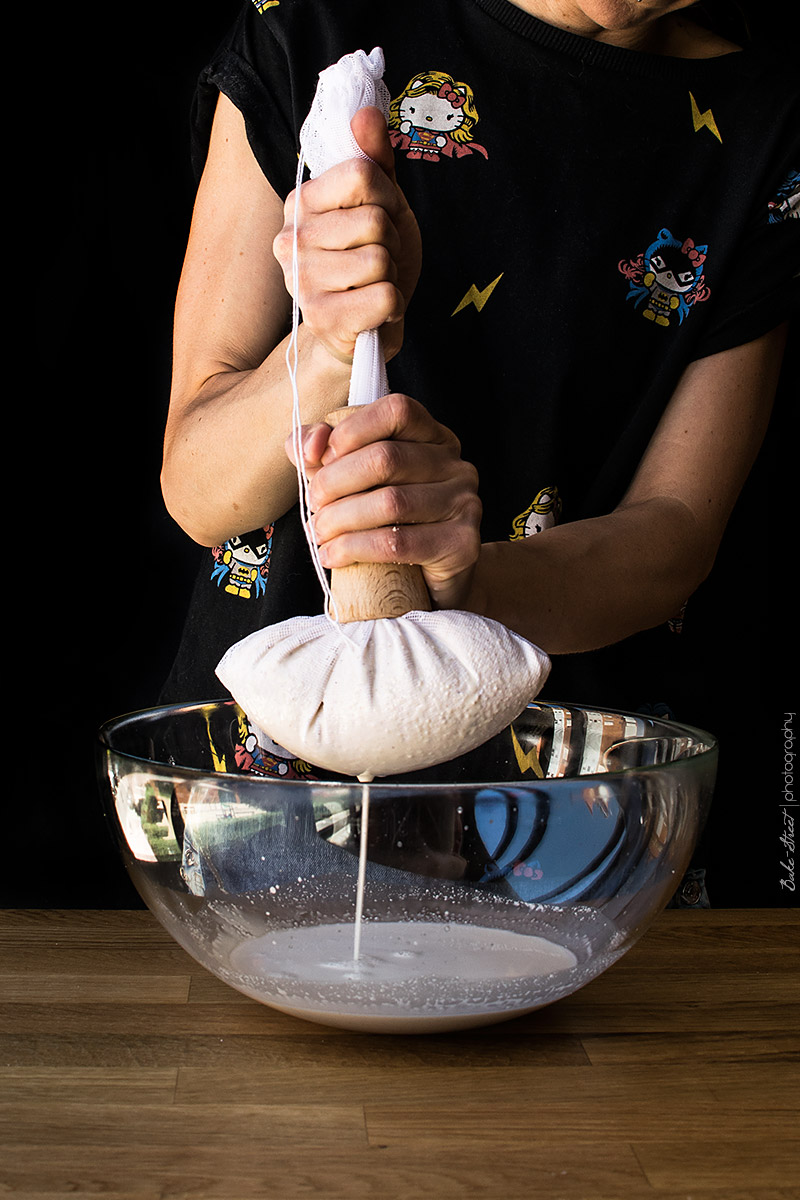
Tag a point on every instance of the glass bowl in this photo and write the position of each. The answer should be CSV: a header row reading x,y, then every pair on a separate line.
x,y
456,896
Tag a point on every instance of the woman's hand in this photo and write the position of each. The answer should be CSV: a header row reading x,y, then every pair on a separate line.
x,y
359,249
388,484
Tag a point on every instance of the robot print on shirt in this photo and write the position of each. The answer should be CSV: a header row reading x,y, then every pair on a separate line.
x,y
786,203
667,279
241,566
258,755
434,116
541,514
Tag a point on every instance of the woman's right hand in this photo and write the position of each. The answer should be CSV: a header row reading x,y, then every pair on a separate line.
x,y
359,249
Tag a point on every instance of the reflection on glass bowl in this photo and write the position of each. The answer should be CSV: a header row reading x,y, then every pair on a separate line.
x,y
492,885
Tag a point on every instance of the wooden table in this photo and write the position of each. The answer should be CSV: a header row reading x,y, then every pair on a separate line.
x,y
128,1071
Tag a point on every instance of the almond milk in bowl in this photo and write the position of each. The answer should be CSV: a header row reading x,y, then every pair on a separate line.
x,y
461,895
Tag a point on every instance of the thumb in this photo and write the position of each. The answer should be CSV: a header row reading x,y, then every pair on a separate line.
x,y
369,130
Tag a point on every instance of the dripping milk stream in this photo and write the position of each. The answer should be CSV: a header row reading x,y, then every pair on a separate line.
x,y
362,869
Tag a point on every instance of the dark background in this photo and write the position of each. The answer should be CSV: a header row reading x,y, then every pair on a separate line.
x,y
102,577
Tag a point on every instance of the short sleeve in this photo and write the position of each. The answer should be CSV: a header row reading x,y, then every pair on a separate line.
x,y
251,68
762,285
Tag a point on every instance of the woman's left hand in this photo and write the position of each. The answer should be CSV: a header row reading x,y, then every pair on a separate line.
x,y
388,484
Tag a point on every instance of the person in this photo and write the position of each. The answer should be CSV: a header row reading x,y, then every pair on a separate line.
x,y
577,238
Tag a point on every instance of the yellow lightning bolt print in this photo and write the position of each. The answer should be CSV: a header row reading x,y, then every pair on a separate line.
x,y
526,762
263,5
477,298
217,758
704,119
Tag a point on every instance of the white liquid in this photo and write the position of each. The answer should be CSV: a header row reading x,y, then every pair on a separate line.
x,y
411,976
362,871
429,971
407,976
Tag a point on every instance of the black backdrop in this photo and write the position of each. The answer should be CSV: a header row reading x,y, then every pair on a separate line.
x,y
101,579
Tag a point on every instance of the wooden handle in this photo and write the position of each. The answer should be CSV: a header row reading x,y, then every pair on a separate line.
x,y
371,591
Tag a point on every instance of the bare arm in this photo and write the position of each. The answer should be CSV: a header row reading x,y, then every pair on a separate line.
x,y
587,584
577,586
224,469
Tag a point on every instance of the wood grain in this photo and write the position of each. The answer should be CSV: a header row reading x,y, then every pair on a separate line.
x,y
127,1072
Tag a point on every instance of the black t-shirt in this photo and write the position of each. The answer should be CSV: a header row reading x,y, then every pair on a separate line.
x,y
593,220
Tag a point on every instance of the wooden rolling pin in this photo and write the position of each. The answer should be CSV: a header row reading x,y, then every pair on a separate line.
x,y
370,591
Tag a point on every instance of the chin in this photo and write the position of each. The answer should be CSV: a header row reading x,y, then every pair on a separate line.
x,y
625,14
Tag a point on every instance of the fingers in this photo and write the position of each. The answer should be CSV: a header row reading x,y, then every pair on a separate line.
x,y
313,441
350,184
389,485
386,445
403,505
358,246
447,551
388,463
349,229
393,417
348,207
349,251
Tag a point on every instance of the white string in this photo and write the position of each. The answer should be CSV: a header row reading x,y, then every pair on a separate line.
x,y
306,517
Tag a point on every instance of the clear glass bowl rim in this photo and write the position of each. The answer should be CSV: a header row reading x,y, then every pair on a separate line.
x,y
707,747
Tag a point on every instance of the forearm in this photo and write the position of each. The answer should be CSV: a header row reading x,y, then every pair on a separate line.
x,y
225,468
587,584
583,585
